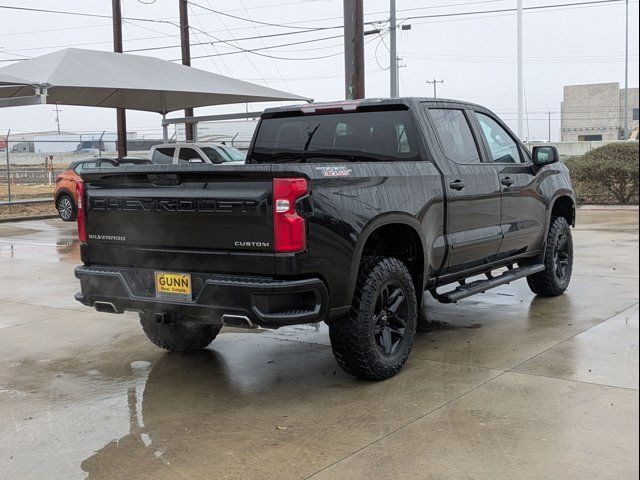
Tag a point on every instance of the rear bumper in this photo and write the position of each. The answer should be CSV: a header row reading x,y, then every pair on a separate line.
x,y
263,301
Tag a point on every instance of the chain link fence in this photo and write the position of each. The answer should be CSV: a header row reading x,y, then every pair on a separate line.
x,y
29,166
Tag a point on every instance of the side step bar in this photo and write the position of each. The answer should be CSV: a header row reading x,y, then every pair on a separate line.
x,y
480,286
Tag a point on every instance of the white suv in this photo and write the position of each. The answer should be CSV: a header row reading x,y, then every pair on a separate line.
x,y
216,153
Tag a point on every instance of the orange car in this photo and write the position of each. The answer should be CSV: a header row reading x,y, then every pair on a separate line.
x,y
65,194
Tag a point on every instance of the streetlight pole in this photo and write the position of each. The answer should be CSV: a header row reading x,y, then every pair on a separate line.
x,y
520,73
626,72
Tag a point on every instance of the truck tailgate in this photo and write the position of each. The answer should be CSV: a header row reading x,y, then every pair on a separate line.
x,y
183,207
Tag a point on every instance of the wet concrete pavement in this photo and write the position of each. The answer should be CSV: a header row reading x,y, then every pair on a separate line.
x,y
503,385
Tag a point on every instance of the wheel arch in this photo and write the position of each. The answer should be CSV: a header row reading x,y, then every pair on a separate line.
x,y
377,238
64,191
563,205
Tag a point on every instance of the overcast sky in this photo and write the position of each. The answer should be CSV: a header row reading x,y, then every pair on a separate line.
x,y
474,55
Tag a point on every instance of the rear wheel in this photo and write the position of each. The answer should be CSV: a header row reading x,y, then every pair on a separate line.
x,y
66,208
558,261
374,340
179,336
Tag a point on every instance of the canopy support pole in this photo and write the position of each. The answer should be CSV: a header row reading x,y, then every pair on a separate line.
x,y
165,129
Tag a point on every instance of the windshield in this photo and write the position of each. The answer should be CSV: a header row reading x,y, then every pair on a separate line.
x,y
223,153
353,136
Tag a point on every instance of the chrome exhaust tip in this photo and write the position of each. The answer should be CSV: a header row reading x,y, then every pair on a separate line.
x,y
105,307
238,321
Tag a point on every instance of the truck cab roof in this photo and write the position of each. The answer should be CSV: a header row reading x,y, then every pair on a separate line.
x,y
367,103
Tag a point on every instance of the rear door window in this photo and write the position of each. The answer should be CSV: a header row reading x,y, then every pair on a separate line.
x,y
454,135
361,136
163,156
84,165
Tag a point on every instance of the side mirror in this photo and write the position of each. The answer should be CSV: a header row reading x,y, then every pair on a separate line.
x,y
545,155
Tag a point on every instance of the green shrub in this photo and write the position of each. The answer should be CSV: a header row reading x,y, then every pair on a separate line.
x,y
608,173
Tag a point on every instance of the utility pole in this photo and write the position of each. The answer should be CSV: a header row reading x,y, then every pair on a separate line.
x,y
520,74
393,50
626,73
58,118
121,115
549,121
435,86
353,49
186,59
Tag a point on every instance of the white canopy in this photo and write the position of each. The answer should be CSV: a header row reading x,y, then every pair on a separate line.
x,y
9,80
104,79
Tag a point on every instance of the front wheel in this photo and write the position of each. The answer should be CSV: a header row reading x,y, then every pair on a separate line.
x,y
374,340
179,336
558,261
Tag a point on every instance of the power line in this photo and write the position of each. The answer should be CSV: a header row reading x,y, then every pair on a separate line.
x,y
255,37
303,29
10,34
511,10
254,50
218,12
52,47
248,57
82,14
263,43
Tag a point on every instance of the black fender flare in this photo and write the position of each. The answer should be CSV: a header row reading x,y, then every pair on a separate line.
x,y
561,193
365,233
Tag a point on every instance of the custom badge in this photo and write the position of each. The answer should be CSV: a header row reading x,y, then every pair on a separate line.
x,y
337,171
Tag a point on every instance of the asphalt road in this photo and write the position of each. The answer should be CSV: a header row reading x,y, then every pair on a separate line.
x,y
502,385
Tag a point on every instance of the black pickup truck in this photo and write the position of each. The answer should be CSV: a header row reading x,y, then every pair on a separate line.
x,y
345,212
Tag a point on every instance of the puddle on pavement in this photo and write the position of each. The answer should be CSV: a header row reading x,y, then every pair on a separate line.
x,y
435,325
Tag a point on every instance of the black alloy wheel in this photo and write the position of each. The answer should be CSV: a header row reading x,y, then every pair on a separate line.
x,y
390,316
557,259
374,339
561,257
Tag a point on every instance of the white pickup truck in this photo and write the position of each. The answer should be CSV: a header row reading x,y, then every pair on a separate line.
x,y
176,153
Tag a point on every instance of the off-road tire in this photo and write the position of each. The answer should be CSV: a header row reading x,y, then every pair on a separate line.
x,y
353,338
549,282
179,336
66,208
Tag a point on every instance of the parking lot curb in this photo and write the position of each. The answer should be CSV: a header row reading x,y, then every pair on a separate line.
x,y
24,219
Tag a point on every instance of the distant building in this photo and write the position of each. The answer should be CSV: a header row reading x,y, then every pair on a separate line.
x,y
596,112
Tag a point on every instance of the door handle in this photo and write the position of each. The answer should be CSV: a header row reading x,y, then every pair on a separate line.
x,y
507,182
457,185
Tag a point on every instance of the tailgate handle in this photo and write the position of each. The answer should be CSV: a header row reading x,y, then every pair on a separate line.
x,y
164,180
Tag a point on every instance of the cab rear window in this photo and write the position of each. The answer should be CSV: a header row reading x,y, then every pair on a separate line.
x,y
362,136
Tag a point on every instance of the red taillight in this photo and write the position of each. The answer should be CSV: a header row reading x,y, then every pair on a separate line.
x,y
289,230
82,217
